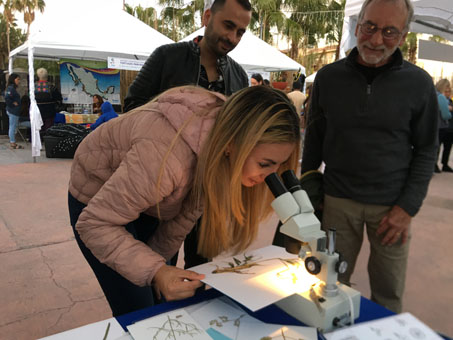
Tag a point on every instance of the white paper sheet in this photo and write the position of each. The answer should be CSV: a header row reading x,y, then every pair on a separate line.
x,y
174,325
232,322
260,285
397,327
224,318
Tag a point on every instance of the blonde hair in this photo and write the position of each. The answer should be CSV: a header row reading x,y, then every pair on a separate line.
x,y
442,84
232,212
42,73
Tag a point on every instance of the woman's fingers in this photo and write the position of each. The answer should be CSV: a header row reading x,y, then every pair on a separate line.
x,y
176,283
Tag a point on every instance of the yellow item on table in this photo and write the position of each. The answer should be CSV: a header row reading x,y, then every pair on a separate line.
x,y
81,118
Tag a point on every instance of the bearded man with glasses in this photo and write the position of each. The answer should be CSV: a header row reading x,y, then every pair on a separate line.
x,y
373,122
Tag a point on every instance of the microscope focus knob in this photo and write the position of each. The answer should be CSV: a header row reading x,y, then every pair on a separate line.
x,y
312,265
341,267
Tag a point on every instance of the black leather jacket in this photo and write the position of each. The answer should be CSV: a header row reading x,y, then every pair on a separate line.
x,y
176,65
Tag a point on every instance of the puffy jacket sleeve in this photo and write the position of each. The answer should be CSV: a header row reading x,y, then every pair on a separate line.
x,y
132,189
147,83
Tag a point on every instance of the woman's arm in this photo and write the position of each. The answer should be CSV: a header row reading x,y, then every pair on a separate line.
x,y
131,189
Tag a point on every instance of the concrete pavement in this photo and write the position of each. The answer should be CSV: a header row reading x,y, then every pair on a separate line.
x,y
47,287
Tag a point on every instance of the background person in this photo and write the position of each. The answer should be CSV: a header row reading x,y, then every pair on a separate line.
x,y
13,108
449,141
443,86
256,79
297,97
107,113
202,61
97,103
139,183
48,97
373,121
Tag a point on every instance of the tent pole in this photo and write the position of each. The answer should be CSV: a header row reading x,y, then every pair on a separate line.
x,y
10,65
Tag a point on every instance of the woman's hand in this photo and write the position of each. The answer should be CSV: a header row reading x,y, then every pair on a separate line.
x,y
176,283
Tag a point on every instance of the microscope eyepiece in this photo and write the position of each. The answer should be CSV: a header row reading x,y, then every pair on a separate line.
x,y
275,184
291,181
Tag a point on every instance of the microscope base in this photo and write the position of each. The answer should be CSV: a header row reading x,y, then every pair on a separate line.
x,y
302,307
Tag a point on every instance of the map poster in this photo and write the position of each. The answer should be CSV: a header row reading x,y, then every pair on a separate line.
x,y
82,79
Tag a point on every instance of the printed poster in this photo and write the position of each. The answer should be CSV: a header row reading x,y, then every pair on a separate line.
x,y
81,80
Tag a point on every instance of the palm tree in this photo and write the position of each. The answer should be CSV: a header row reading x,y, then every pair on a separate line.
x,y
9,7
171,14
265,15
293,31
28,7
16,38
196,7
147,15
409,48
334,27
129,9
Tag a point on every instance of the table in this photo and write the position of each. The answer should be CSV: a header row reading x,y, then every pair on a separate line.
x,y
271,314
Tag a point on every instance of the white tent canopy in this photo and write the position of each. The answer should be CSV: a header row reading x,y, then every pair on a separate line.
x,y
90,30
90,33
255,55
311,78
430,16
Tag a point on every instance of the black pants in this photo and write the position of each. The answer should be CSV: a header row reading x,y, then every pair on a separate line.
x,y
445,138
191,257
122,295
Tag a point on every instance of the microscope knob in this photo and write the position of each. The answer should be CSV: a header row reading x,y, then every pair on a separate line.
x,y
341,267
312,265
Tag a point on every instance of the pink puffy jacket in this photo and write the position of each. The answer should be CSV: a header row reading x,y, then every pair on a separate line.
x,y
115,172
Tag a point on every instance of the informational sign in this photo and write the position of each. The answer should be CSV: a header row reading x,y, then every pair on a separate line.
x,y
125,64
81,80
435,51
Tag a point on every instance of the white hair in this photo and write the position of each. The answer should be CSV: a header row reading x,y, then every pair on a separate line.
x,y
42,73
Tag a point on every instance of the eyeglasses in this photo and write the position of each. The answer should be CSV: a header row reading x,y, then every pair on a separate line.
x,y
388,33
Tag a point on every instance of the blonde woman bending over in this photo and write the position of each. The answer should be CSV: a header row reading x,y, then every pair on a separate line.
x,y
140,182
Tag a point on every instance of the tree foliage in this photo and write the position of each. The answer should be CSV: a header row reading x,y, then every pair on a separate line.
x,y
15,38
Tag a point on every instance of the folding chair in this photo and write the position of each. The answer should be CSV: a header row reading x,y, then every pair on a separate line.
x,y
25,126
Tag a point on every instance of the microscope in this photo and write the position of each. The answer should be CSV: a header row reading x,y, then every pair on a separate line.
x,y
328,304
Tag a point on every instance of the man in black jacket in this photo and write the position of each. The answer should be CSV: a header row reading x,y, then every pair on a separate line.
x,y
373,121
202,62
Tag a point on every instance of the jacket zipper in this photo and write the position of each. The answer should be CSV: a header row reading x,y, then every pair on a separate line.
x,y
368,89
199,68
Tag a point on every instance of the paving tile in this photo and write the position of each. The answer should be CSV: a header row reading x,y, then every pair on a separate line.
x,y
7,242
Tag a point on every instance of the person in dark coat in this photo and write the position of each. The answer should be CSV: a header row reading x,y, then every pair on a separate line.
x,y
47,97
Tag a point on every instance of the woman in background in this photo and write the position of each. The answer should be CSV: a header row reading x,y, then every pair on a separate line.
x,y
442,86
13,108
256,79
97,103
